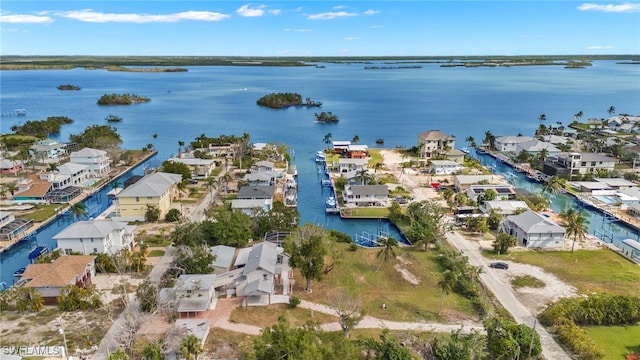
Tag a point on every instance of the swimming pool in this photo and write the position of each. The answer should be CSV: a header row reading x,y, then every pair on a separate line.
x,y
89,182
609,200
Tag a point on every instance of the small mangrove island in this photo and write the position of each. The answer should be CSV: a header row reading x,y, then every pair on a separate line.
x,y
326,117
122,99
285,100
68,87
113,118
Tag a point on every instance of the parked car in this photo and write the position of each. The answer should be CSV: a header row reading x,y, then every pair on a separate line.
x,y
193,181
499,265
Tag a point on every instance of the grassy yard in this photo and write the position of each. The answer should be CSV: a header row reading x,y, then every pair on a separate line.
x,y
264,316
155,253
42,212
356,274
368,212
375,157
616,341
587,270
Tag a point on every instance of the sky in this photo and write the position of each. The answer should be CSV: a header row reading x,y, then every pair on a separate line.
x,y
319,28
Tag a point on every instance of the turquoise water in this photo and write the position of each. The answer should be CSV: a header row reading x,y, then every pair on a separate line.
x,y
606,199
89,182
393,104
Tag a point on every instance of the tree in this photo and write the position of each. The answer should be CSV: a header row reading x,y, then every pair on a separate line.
x,y
388,348
503,242
387,245
459,347
194,260
180,145
306,245
612,110
152,213
153,350
176,168
11,187
173,215
230,227
577,116
79,210
575,223
554,184
349,311
147,295
53,167
506,340
190,347
211,183
119,354
154,136
542,118
76,298
327,139
377,166
471,141
363,175
446,284
356,139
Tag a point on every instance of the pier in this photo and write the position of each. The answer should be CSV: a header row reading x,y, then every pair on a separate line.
x,y
331,203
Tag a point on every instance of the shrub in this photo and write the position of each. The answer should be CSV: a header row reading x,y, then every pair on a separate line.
x,y
353,247
294,302
173,215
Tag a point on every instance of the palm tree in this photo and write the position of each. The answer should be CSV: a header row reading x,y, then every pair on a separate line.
x,y
11,187
53,167
471,141
543,154
575,223
180,145
446,284
153,351
79,210
327,139
554,184
577,116
181,186
356,139
363,175
386,249
377,166
211,183
611,110
190,347
542,118
154,136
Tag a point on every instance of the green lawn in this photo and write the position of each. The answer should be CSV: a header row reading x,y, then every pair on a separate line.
x,y
368,212
616,341
155,253
42,212
356,274
587,270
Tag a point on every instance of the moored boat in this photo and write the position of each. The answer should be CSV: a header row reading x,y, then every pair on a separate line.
x,y
331,202
320,156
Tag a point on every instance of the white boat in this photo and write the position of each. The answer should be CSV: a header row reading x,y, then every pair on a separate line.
x,y
331,202
320,156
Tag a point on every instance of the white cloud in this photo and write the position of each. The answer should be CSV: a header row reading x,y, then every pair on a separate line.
x,y
25,19
352,38
338,7
618,8
275,12
296,30
331,15
247,11
371,12
600,47
97,17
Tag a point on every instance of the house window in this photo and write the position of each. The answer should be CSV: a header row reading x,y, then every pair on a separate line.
x,y
189,291
67,251
264,277
95,250
137,199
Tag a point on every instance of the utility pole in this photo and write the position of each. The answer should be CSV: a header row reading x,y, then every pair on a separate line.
x,y
64,338
533,333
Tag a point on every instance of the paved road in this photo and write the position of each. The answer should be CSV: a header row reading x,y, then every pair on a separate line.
x,y
504,293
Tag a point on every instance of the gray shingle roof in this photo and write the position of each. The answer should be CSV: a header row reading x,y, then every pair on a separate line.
x,y
264,256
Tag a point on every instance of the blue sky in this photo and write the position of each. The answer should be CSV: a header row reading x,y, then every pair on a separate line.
x,y
319,28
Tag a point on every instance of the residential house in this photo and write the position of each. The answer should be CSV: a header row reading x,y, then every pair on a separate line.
x,y
12,228
256,192
98,236
222,150
198,168
263,166
48,150
504,192
617,183
32,189
262,270
97,161
152,190
445,167
252,206
535,146
572,164
195,294
224,257
365,195
534,230
346,165
433,142
503,207
50,278
10,166
66,175
340,146
357,151
454,155
509,143
462,182
261,178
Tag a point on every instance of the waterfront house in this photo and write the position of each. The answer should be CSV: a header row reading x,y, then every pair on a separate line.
x,y
156,189
10,166
198,168
69,174
98,236
261,178
346,165
341,146
510,143
262,166
445,167
11,228
617,183
48,150
49,278
357,151
262,269
504,207
252,207
365,195
32,189
454,155
592,187
256,192
534,230
224,257
570,165
97,161
433,142
462,182
504,192
535,146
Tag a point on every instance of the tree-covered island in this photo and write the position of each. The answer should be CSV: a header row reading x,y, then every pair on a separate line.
x,y
284,100
68,87
327,117
122,99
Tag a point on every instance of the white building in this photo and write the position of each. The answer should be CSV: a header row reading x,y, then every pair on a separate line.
x,y
445,167
510,143
96,237
534,230
96,160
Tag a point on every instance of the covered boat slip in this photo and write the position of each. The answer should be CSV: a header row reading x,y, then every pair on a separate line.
x,y
634,254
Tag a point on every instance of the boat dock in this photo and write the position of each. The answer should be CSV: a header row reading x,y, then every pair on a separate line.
x,y
330,203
